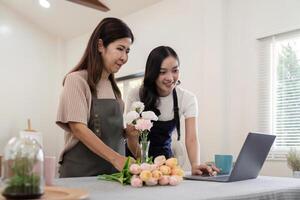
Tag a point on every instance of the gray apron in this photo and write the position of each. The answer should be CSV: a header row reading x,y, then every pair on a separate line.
x,y
106,121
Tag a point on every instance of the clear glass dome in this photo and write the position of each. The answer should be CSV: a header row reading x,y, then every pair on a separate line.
x,y
23,168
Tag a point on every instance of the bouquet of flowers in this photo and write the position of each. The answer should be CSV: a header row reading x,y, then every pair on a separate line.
x,y
141,120
161,172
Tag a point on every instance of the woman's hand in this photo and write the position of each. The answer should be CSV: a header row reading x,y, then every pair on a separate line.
x,y
131,132
120,161
132,136
205,169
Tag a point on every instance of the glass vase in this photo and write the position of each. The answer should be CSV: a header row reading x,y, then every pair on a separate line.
x,y
144,146
23,168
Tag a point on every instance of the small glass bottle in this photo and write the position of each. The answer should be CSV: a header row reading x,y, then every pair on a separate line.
x,y
23,165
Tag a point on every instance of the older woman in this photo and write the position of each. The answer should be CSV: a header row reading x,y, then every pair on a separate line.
x,y
90,108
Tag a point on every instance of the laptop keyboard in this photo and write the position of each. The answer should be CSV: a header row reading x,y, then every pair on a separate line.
x,y
220,177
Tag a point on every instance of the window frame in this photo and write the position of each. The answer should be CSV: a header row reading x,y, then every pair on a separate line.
x,y
266,87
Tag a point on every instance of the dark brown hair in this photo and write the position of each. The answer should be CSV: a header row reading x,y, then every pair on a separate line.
x,y
108,30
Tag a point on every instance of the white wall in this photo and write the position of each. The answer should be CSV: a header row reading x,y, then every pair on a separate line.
x,y
30,68
246,21
74,49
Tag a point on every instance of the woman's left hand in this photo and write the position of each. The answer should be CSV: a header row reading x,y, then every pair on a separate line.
x,y
205,169
131,131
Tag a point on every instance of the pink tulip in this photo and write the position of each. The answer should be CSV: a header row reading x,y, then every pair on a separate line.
x,y
180,178
164,180
156,174
136,182
165,169
177,171
145,175
173,180
146,166
160,160
172,162
154,167
152,181
135,169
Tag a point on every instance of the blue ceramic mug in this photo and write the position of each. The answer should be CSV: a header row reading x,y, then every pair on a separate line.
x,y
224,163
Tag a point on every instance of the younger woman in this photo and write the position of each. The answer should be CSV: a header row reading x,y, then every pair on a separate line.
x,y
161,94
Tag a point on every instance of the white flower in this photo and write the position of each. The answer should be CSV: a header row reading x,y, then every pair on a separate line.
x,y
137,106
149,115
131,116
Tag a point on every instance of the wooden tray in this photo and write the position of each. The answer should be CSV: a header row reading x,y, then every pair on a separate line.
x,y
61,193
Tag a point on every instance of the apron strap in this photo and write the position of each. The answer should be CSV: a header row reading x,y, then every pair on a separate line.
x,y
176,113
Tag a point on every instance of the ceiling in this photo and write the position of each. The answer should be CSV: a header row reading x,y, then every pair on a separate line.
x,y
66,19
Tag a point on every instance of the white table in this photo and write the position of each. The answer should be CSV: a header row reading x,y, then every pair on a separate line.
x,y
260,188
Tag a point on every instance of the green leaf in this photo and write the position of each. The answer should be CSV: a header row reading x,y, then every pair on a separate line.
x,y
122,177
149,160
110,177
126,166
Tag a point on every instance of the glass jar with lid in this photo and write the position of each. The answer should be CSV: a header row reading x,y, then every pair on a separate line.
x,y
23,165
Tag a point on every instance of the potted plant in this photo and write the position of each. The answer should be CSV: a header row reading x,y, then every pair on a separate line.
x,y
293,160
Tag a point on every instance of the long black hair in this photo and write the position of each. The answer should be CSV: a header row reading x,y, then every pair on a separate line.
x,y
108,30
148,92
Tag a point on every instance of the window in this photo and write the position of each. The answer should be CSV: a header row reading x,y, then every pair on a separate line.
x,y
127,83
280,89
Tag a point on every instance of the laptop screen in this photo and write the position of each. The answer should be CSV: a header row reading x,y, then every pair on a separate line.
x,y
252,156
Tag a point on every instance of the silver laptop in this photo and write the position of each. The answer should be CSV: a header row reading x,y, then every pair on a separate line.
x,y
249,162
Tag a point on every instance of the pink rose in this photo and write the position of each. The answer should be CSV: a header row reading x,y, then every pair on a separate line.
x,y
143,124
136,182
135,169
